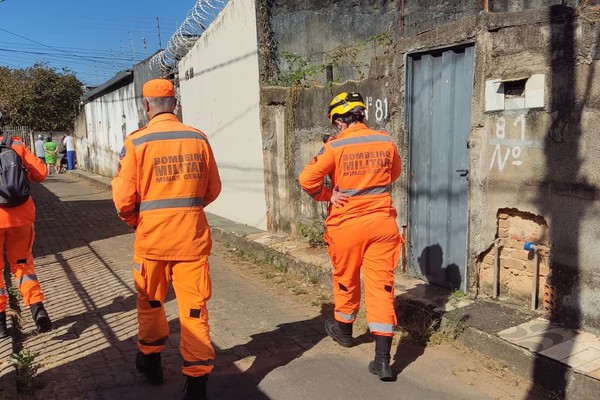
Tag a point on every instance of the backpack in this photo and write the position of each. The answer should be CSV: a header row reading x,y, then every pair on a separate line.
x,y
14,184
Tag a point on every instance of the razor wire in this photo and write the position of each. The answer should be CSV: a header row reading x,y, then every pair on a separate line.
x,y
195,24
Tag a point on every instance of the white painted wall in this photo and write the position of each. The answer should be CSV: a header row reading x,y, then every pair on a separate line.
x,y
110,118
222,100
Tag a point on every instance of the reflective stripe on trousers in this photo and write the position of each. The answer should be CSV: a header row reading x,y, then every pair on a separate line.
x,y
371,245
18,242
193,288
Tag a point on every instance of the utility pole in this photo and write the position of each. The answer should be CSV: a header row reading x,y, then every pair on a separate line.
x,y
144,45
132,47
158,28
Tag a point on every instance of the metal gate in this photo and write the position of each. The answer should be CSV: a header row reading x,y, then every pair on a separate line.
x,y
22,132
439,96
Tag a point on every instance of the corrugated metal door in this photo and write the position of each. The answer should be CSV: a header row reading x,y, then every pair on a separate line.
x,y
439,97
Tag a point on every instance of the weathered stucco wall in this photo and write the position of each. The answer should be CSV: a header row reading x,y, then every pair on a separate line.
x,y
220,95
294,121
111,113
109,119
339,33
540,160
534,174
536,160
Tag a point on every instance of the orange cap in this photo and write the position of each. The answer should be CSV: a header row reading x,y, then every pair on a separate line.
x,y
158,88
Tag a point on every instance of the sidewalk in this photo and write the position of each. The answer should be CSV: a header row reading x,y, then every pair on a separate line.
x,y
565,362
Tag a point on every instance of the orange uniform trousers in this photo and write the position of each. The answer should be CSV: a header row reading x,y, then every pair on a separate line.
x,y
193,288
370,244
19,242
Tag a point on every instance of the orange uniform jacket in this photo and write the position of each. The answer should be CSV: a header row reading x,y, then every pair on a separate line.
x,y
361,163
166,176
37,172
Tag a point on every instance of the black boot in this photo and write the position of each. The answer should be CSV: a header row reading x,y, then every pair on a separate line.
x,y
151,366
40,317
195,387
340,332
3,328
381,365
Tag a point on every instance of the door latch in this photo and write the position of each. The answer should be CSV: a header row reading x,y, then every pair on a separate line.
x,y
463,172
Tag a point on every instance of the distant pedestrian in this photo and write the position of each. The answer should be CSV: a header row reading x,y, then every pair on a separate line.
x,y
167,174
39,148
16,235
70,146
51,151
361,230
62,155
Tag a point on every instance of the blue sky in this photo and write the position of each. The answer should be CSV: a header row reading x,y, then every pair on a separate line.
x,y
95,39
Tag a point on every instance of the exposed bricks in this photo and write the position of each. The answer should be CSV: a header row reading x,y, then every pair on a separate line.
x,y
514,229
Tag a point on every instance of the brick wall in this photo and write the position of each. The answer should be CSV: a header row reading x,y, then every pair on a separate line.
x,y
514,229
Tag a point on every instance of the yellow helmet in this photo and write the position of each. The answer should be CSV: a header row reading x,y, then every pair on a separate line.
x,y
345,103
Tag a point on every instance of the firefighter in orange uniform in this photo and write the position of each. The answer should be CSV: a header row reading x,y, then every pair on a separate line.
x,y
361,230
17,234
167,174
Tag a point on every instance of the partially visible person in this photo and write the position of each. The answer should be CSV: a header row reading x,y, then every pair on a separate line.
x,y
62,155
17,235
39,148
361,230
51,151
166,176
70,146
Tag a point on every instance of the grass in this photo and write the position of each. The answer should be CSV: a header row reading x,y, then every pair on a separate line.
x,y
307,287
417,323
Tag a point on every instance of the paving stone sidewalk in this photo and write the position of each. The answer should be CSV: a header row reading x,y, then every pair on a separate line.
x,y
82,254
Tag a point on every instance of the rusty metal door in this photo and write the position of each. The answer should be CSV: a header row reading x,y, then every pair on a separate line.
x,y
438,100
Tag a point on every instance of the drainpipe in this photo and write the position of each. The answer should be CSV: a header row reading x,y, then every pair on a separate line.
x,y
404,247
496,284
530,246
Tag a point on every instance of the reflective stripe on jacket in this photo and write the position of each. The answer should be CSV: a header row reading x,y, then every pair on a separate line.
x,y
37,171
362,163
167,174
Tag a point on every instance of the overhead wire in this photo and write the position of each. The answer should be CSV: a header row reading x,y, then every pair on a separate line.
x,y
95,62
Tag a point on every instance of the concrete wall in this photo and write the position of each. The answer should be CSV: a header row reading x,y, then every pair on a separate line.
x,y
534,174
333,32
108,119
110,113
219,89
539,160
293,124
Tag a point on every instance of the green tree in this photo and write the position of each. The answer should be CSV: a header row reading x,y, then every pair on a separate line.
x,y
40,97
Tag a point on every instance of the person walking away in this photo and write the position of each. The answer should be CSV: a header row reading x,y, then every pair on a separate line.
x,y
51,151
70,146
39,148
166,175
361,231
17,235
61,161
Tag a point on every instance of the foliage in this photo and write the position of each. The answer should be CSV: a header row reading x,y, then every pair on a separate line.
x,y
14,291
40,97
24,363
300,70
297,70
313,231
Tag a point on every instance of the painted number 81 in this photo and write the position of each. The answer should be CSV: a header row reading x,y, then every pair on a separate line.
x,y
381,108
